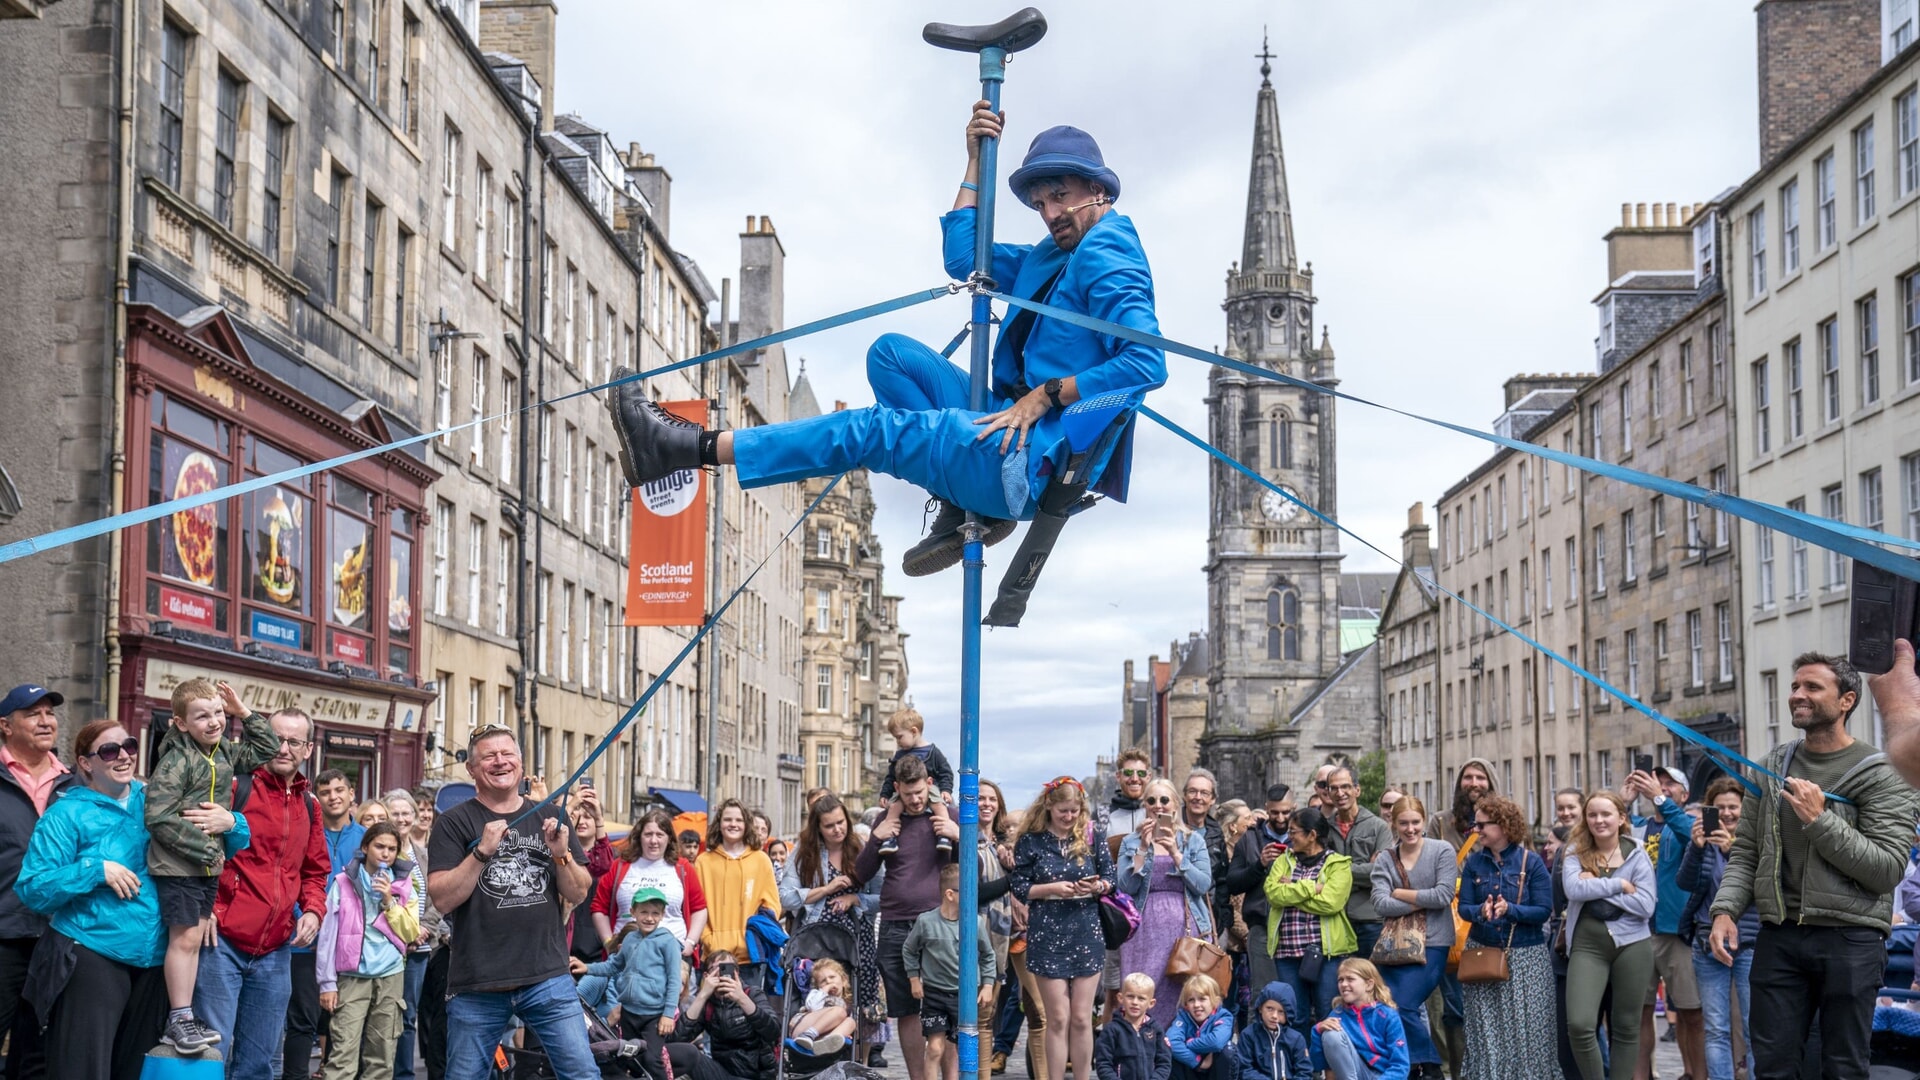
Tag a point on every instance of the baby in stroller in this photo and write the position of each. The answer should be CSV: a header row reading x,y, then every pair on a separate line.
x,y
825,1023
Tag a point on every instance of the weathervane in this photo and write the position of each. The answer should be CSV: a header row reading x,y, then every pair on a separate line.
x,y
1265,56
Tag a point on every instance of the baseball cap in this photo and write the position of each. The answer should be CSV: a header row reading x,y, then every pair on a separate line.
x,y
641,896
1675,775
29,694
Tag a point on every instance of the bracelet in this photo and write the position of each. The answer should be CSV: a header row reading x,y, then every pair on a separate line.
x,y
970,186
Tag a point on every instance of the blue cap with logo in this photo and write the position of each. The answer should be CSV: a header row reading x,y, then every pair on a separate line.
x,y
26,695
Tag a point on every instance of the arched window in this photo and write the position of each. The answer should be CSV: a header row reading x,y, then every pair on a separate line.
x,y
1283,624
1280,441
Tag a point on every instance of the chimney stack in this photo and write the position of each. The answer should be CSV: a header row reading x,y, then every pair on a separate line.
x,y
524,30
1813,54
763,276
1416,548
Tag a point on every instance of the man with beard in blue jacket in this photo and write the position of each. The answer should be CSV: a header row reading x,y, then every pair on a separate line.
x,y
996,463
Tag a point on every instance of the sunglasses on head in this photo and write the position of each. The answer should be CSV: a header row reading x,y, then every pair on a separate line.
x,y
112,751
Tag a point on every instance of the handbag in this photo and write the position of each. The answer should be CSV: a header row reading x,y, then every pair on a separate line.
x,y
1486,964
1118,919
1194,955
1403,938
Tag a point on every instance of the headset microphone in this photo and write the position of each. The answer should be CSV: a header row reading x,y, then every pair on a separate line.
x,y
1099,200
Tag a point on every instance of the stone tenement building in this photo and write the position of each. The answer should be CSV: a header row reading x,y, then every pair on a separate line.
x,y
318,228
1825,303
853,653
1165,713
1283,695
1411,680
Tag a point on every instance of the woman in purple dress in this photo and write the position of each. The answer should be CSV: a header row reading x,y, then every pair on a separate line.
x,y
1163,866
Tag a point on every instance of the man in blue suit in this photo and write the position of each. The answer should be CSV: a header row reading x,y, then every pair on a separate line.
x,y
921,429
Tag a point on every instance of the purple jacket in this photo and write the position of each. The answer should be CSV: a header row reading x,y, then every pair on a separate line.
x,y
343,931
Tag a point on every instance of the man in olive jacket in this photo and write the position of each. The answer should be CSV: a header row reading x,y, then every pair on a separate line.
x,y
1822,872
1359,834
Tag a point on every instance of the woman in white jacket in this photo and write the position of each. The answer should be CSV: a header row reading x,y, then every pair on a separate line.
x,y
1610,889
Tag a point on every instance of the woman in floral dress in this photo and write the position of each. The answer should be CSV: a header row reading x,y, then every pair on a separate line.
x,y
1060,871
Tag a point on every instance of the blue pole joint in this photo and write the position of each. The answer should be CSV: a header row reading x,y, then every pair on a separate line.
x,y
969,798
969,1052
993,64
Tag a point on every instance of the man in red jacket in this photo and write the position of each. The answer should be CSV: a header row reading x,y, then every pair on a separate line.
x,y
271,898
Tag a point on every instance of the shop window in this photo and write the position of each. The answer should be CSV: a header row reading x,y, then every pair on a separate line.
x,y
187,551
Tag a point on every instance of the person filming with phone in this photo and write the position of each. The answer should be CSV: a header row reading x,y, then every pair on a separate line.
x,y
1701,870
742,1031
1665,836
1164,867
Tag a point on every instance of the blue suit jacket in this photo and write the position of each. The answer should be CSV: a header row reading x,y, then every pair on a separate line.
x,y
1106,277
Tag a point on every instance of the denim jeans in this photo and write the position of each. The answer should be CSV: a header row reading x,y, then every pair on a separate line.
x,y
1315,998
244,998
1412,985
1718,983
403,1053
1343,1061
476,1021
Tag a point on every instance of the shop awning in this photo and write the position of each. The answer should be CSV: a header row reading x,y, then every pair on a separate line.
x,y
685,802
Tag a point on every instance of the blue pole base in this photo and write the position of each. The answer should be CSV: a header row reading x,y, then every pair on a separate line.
x,y
166,1063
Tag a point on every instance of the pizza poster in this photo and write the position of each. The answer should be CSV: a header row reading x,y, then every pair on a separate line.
x,y
192,544
667,548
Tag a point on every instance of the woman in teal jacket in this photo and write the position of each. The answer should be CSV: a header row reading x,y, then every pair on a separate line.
x,y
97,970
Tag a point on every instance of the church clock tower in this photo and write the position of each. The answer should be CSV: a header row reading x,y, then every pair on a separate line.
x,y
1273,570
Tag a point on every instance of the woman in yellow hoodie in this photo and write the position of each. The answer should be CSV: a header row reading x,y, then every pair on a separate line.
x,y
738,879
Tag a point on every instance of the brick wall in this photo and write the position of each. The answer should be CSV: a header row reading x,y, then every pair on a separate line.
x,y
1813,53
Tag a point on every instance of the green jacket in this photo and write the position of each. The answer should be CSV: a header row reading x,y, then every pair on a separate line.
x,y
185,777
1857,850
1330,902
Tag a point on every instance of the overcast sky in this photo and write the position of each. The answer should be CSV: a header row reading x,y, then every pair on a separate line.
x,y
1452,170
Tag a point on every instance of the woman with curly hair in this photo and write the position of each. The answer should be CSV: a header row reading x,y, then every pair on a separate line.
x,y
1610,890
1505,898
1061,874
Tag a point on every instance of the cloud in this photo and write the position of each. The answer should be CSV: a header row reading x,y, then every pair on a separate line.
x,y
1452,169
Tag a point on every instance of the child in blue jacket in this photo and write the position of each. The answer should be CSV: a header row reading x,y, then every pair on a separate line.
x,y
644,974
1202,1033
1363,1039
1271,1049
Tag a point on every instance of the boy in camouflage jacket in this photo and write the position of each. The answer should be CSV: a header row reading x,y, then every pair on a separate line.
x,y
197,765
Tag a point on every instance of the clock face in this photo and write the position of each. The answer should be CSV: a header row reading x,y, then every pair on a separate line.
x,y
1279,508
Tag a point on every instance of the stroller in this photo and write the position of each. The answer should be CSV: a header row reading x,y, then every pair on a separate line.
x,y
815,941
615,1057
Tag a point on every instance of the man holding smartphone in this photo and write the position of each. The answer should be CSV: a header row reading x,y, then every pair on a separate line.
x,y
1668,831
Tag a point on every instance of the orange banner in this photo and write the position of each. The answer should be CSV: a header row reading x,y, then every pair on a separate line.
x,y
667,550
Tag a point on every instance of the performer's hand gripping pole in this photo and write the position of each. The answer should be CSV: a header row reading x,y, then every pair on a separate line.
x,y
994,44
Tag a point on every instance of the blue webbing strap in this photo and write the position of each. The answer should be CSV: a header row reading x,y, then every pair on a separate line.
x,y
660,680
1721,754
76,533
1850,540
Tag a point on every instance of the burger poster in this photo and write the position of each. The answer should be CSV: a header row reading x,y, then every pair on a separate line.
x,y
190,545
667,551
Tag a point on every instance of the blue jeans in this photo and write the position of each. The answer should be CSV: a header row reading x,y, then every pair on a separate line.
x,y
1718,984
1315,998
244,998
476,1021
1343,1061
403,1049
1412,985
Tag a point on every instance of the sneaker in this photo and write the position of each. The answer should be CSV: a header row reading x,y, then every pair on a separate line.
x,y
943,545
944,846
889,847
827,1044
998,1063
189,1036
653,442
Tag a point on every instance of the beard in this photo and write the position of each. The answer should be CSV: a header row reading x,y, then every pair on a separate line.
x,y
1464,800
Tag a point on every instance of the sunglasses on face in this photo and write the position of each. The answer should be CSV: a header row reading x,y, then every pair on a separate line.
x,y
1478,825
1158,800
112,751
1141,774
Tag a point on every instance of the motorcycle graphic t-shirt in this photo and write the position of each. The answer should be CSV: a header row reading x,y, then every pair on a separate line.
x,y
511,932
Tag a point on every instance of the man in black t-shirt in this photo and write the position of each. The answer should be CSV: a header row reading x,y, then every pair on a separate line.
x,y
501,883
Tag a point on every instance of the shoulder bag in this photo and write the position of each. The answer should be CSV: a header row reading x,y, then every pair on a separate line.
x,y
1195,955
1484,963
1403,938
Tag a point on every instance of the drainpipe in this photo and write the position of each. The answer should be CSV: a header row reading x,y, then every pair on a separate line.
x,y
539,754
528,311
715,586
117,357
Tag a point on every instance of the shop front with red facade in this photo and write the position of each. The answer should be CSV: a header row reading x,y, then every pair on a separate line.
x,y
302,594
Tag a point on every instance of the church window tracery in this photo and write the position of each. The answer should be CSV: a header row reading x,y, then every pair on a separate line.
x,y
1283,623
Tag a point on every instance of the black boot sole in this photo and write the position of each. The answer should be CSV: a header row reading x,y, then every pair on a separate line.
x,y
936,553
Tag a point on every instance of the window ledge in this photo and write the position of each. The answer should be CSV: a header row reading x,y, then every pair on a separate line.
x,y
1864,230
1870,408
1833,595
1798,605
1792,446
1630,585
1657,573
1722,685
1694,691
1830,252
453,257
1662,695
1765,614
1787,280
486,288
1754,303
1828,429
1905,393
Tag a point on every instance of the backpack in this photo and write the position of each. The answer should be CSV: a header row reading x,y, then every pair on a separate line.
x,y
243,790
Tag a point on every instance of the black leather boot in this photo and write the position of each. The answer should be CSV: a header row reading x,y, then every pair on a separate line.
x,y
943,546
653,442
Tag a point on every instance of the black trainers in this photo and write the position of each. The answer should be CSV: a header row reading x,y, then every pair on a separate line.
x,y
653,442
943,546
189,1036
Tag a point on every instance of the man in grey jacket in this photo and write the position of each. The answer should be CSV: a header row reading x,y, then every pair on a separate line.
x,y
1359,834
1821,872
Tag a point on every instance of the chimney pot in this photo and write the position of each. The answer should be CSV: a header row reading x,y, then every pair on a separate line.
x,y
1659,216
1626,215
1640,215
1673,215
766,224
1415,514
750,224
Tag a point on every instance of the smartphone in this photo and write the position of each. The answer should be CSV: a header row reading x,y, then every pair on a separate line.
x,y
586,781
1643,763
728,970
1884,607
526,788
1710,819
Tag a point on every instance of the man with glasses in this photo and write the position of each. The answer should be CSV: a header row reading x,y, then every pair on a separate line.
x,y
504,884
1359,834
1247,877
1197,796
32,778
271,897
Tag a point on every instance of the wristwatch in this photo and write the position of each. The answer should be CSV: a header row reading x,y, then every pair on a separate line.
x,y
1053,387
481,856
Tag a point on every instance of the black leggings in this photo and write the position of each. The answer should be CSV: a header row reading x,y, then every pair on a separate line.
x,y
689,1062
104,996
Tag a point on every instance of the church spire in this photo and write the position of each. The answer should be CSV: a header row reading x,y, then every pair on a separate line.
x,y
1269,236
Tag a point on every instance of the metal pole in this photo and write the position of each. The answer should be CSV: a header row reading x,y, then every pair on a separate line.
x,y
993,71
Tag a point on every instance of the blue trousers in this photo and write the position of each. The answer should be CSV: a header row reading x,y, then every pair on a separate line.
x,y
1718,984
1315,998
477,1020
244,998
921,431
1344,1061
1412,985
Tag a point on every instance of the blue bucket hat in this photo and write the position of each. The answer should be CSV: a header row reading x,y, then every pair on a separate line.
x,y
1060,151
